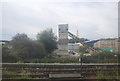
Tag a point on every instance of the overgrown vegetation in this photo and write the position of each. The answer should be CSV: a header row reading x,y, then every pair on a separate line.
x,y
22,48
102,57
6,54
48,39
107,75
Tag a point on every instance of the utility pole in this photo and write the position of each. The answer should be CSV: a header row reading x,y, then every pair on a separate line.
x,y
77,33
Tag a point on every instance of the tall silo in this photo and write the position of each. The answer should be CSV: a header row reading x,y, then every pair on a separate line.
x,y
63,39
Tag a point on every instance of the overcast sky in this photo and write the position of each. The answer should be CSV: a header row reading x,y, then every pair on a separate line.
x,y
93,20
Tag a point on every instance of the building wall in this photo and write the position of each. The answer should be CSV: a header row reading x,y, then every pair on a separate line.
x,y
107,44
73,46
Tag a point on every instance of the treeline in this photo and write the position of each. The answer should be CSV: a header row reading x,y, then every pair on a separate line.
x,y
21,48
80,40
42,50
109,39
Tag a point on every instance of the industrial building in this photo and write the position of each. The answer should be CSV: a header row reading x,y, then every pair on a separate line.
x,y
74,46
63,39
68,49
2,42
111,45
63,46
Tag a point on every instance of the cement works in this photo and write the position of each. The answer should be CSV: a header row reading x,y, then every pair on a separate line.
x,y
64,47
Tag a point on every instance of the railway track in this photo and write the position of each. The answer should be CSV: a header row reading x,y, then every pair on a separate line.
x,y
13,70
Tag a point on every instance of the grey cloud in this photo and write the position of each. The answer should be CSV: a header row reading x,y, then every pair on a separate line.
x,y
91,19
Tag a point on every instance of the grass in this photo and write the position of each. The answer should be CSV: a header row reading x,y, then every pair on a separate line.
x,y
105,75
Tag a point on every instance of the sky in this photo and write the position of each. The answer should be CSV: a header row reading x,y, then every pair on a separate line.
x,y
93,20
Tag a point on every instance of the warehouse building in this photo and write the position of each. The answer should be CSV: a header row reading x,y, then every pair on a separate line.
x,y
111,45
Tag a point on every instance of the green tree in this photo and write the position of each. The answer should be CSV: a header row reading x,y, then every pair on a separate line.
x,y
71,40
48,39
83,39
37,50
78,40
6,54
20,44
25,48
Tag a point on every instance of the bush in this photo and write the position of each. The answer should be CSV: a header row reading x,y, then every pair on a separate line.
x,y
102,57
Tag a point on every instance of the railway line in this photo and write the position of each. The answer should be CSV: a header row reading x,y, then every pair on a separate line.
x,y
42,70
